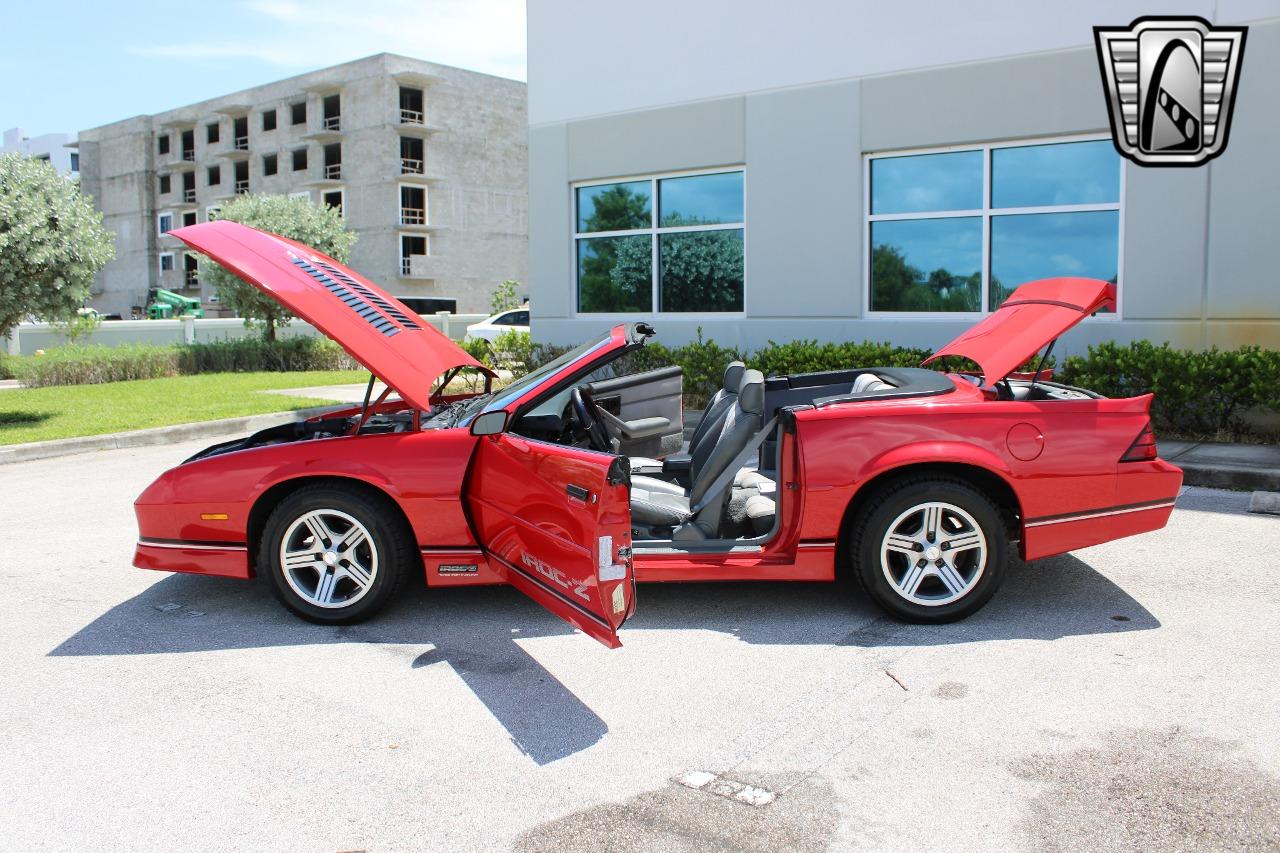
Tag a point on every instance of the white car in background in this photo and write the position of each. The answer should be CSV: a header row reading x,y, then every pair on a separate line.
x,y
513,320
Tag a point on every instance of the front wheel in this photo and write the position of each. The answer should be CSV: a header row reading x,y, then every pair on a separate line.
x,y
929,550
334,555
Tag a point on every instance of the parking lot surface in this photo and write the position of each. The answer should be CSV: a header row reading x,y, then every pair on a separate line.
x,y
1123,696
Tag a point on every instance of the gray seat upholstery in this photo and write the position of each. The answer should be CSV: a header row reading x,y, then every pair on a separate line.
x,y
749,479
662,508
760,512
658,509
708,428
869,382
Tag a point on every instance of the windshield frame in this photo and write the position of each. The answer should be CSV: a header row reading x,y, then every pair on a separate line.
x,y
569,362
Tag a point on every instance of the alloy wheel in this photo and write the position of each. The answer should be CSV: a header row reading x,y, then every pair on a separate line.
x,y
933,553
328,558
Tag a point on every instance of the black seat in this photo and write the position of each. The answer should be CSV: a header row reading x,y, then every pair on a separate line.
x,y
658,507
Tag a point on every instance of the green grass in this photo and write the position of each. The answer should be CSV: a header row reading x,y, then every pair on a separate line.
x,y
40,414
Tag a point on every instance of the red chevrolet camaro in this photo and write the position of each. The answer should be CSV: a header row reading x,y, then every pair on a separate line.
x,y
574,482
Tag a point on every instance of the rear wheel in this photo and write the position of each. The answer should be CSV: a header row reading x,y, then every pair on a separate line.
x,y
930,549
334,555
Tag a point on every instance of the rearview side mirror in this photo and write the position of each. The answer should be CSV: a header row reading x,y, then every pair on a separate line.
x,y
490,423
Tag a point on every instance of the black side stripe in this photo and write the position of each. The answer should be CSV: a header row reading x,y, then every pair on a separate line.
x,y
553,591
193,543
1105,510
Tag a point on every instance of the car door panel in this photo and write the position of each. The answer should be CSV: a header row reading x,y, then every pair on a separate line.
x,y
558,520
653,394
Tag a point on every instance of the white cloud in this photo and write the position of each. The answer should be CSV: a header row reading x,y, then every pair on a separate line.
x,y
482,35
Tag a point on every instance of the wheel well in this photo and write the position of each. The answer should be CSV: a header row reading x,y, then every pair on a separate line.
x,y
989,483
271,498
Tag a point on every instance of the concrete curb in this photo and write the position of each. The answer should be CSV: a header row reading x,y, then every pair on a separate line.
x,y
156,435
1268,502
1228,476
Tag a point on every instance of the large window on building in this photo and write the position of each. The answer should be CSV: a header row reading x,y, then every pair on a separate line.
x,y
956,231
666,243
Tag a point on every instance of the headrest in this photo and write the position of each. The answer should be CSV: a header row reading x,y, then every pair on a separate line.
x,y
869,382
751,392
733,376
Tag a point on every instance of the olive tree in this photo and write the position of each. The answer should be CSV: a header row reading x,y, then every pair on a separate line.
x,y
52,243
317,225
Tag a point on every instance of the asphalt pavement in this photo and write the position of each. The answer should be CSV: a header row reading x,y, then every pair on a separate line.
x,y
1117,698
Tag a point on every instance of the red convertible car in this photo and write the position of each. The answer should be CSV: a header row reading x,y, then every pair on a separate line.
x,y
569,483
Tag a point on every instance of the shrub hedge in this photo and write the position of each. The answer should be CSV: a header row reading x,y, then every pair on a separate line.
x,y
75,364
254,355
1196,393
91,365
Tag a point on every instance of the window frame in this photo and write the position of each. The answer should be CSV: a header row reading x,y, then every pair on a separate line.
x,y
400,235
400,208
342,198
160,258
654,231
985,214
160,215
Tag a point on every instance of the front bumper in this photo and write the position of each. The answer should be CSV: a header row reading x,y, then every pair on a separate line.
x,y
218,559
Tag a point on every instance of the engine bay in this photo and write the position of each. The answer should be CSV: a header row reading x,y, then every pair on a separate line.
x,y
310,430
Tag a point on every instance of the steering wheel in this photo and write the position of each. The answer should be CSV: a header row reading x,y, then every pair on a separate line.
x,y
584,412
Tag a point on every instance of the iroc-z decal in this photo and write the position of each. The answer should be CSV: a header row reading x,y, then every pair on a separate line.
x,y
556,576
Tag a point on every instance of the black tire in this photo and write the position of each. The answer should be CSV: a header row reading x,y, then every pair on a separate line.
x,y
389,540
872,524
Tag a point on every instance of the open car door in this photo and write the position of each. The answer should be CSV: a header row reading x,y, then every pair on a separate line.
x,y
558,520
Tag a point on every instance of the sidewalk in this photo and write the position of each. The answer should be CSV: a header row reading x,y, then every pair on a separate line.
x,y
1225,466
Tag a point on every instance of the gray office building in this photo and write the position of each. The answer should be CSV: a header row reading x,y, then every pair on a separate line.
x,y
845,172
427,163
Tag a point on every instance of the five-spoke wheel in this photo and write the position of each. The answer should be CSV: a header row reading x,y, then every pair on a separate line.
x,y
329,558
929,549
334,554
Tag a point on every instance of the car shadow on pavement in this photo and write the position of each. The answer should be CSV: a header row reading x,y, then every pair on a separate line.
x,y
471,629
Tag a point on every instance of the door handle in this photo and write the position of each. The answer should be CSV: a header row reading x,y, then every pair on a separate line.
x,y
578,492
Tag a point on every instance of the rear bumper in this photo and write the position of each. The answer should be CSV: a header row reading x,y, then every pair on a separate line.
x,y
218,559
1144,498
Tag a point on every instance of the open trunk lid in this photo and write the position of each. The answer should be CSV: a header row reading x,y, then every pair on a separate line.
x,y
1033,316
378,330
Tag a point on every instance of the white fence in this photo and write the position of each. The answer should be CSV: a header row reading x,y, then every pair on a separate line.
x,y
29,337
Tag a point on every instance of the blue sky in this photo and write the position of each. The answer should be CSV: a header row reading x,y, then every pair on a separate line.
x,y
67,66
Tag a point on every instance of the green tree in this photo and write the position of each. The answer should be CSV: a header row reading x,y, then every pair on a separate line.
x,y
618,209
317,225
899,286
52,243
504,297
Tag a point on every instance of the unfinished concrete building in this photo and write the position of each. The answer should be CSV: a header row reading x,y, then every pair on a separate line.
x,y
428,164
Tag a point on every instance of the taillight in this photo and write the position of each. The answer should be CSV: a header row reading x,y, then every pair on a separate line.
x,y
1143,448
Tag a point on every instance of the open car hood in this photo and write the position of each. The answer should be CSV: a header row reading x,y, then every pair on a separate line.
x,y
379,331
1035,314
